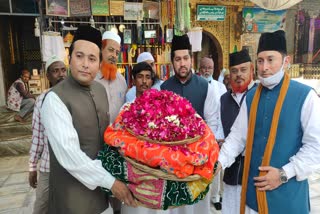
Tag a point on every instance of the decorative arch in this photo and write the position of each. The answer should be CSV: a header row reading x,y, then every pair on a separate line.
x,y
213,48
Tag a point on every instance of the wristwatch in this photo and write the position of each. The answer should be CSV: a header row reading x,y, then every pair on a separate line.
x,y
283,176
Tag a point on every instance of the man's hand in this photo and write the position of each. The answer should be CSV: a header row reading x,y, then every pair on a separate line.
x,y
219,167
121,191
33,179
269,181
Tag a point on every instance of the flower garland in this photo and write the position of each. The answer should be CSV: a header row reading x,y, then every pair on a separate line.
x,y
168,117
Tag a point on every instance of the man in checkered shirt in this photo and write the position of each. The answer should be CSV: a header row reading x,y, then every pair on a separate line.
x,y
56,71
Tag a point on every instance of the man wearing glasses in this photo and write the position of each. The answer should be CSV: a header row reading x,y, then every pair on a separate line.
x,y
108,76
206,71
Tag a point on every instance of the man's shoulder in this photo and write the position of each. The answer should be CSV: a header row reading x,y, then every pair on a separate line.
x,y
41,97
220,84
226,95
253,89
97,86
167,82
122,79
299,85
199,78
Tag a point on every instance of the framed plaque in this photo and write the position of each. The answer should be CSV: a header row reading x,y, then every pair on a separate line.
x,y
100,7
80,8
57,7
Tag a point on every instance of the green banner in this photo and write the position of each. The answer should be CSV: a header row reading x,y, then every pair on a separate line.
x,y
100,7
211,13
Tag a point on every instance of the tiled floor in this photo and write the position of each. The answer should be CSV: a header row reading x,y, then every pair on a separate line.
x,y
16,197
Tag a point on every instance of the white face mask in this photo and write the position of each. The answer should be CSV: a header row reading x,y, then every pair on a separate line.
x,y
210,78
271,82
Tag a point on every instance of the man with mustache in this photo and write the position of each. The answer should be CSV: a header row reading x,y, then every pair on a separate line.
x,y
202,96
56,72
148,58
241,75
278,125
206,71
108,76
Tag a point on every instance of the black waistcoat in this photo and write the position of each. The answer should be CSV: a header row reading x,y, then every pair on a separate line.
x,y
88,107
229,112
195,90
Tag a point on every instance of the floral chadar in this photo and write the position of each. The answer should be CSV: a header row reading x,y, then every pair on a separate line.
x,y
162,131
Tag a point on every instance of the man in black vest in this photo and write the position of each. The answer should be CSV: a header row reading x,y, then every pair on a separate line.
x,y
75,116
202,96
241,73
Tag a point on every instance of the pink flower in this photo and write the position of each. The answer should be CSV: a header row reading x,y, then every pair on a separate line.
x,y
162,116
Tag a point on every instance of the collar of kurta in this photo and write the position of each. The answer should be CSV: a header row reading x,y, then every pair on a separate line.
x,y
74,82
185,83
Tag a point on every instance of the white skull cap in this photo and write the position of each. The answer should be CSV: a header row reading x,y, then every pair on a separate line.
x,y
111,35
52,60
144,56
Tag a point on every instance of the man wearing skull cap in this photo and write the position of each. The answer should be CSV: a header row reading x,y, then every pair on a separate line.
x,y
109,77
56,71
75,115
278,126
241,74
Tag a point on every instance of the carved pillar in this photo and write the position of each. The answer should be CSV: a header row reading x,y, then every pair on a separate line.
x,y
313,16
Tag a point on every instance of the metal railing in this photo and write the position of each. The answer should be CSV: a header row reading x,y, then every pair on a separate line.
x,y
307,71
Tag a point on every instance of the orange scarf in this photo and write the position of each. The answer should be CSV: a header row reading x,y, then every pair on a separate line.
x,y
261,195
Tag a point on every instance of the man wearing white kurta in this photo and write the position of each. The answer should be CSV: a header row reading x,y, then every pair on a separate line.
x,y
109,77
241,74
74,116
206,71
296,147
204,98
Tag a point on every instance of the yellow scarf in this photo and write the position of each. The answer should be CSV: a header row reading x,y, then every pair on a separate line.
x,y
261,195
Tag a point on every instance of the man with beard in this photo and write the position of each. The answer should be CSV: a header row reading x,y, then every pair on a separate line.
x,y
56,72
200,94
75,116
108,76
206,71
278,125
241,73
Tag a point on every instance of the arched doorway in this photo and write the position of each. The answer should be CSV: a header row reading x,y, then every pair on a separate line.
x,y
211,48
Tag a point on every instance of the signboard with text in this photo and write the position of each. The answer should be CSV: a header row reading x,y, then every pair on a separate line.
x,y
211,13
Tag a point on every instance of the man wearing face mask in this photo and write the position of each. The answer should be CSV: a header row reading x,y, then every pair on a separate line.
x,y
206,71
278,126
109,77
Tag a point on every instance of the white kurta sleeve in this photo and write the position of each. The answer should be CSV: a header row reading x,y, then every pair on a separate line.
x,y
235,142
307,158
212,112
64,142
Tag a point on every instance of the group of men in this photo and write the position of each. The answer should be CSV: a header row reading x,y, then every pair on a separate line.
x,y
269,132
